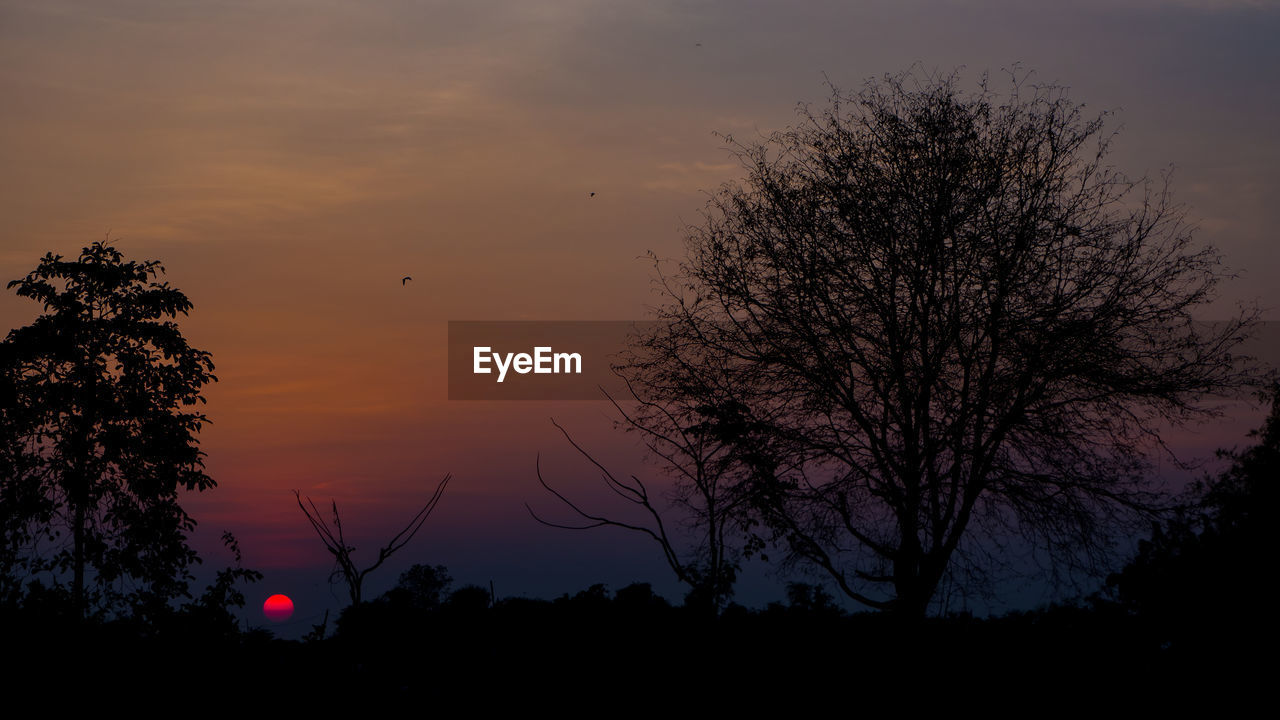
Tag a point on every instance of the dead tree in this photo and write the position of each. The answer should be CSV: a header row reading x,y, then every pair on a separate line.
x,y
697,464
335,542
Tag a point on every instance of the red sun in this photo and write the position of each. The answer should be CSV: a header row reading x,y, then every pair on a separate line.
x,y
278,608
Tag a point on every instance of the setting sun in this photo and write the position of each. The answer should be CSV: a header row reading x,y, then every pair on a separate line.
x,y
278,608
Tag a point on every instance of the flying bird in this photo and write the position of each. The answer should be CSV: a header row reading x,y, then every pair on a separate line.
x,y
405,279
592,195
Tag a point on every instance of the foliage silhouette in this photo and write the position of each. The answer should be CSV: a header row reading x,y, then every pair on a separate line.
x,y
421,587
1201,580
212,608
935,329
99,435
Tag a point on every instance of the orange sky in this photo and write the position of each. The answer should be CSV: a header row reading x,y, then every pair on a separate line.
x,y
289,162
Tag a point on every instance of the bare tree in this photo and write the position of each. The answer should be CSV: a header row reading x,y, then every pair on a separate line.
x,y
700,492
336,543
935,326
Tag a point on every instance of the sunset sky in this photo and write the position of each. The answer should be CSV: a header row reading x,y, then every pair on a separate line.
x,y
290,162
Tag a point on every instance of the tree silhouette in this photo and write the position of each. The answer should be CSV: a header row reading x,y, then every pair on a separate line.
x,y
335,542
213,607
421,587
699,467
935,328
99,436
1201,579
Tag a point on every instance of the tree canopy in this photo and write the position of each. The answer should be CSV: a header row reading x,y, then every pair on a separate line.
x,y
100,435
936,326
1201,579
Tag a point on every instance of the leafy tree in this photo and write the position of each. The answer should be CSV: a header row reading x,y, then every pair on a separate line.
x,y
100,434
213,607
811,599
470,599
421,587
937,328
1202,578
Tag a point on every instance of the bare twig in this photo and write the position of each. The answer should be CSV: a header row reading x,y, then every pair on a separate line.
x,y
336,544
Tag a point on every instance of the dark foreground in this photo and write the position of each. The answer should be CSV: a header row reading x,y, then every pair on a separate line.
x,y
632,647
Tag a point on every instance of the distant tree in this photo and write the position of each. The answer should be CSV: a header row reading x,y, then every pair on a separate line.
x,y
421,591
1204,576
936,327
639,599
335,541
421,587
811,600
469,598
100,434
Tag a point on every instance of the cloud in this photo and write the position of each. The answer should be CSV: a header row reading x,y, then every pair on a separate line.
x,y
686,177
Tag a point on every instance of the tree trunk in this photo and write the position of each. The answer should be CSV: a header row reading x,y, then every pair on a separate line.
x,y
77,586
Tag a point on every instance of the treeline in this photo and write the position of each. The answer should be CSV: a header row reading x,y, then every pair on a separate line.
x,y
632,640
1192,604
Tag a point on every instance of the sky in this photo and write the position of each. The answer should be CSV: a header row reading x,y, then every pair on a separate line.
x,y
289,162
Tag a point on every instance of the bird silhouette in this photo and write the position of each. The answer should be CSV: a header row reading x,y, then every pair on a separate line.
x,y
405,279
592,195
